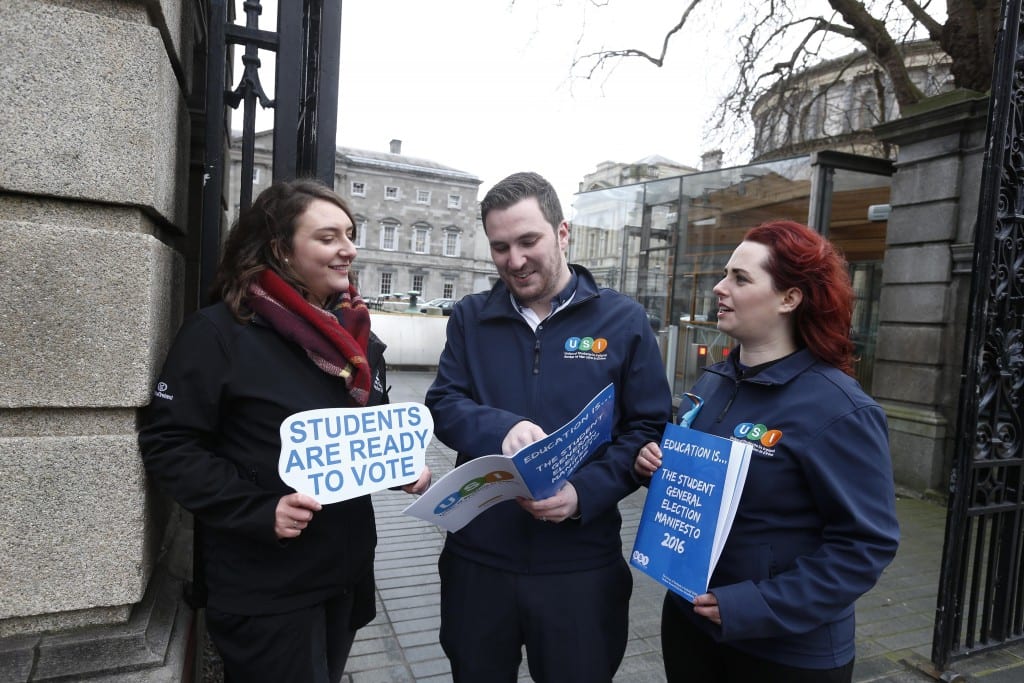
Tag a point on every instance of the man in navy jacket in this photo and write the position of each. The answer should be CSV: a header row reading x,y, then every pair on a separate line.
x,y
519,362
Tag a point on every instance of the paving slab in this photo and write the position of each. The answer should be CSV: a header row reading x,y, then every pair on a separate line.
x,y
894,620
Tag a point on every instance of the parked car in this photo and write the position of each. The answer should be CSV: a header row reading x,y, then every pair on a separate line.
x,y
443,304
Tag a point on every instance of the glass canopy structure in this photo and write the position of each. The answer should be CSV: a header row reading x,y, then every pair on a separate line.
x,y
665,243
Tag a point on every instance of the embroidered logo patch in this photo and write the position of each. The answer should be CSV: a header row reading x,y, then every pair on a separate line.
x,y
764,439
161,391
586,348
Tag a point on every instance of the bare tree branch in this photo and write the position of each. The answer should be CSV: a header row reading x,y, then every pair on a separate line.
x,y
777,39
872,34
604,56
919,13
747,91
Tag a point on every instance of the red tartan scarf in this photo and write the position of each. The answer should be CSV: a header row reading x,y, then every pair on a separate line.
x,y
336,342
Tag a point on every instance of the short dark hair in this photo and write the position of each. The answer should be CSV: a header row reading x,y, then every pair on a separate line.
x,y
519,186
262,237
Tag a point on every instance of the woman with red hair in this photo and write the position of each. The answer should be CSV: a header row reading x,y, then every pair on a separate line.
x,y
816,523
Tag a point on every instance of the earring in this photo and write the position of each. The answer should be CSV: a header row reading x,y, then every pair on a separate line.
x,y
286,261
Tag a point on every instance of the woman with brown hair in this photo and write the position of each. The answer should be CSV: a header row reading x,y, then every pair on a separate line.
x,y
289,581
816,522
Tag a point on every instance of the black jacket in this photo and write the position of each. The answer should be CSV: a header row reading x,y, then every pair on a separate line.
x,y
210,440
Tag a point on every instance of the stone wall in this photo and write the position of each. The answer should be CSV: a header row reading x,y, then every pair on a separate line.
x,y
94,135
414,340
927,283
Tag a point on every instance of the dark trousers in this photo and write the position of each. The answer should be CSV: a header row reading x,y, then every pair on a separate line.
x,y
305,646
574,624
692,656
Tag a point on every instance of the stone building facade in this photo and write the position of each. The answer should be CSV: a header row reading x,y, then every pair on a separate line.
x,y
927,281
616,173
418,226
96,240
94,221
846,105
918,253
835,104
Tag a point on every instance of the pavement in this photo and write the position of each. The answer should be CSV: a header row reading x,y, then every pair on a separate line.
x,y
894,620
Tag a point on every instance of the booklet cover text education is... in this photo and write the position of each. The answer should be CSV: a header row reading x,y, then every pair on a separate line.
x,y
689,509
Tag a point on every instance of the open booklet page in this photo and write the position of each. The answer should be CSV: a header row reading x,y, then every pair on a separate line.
x,y
536,471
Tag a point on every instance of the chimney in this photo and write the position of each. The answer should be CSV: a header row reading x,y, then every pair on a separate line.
x,y
711,161
396,146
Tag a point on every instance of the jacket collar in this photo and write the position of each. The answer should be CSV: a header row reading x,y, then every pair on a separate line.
x,y
782,372
499,300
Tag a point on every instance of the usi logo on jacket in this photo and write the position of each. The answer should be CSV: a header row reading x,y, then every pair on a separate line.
x,y
763,439
585,348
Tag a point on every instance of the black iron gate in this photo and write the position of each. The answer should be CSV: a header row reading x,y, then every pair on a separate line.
x,y
306,45
981,588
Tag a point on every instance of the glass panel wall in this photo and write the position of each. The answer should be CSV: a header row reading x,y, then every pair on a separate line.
x,y
666,242
860,235
601,220
719,207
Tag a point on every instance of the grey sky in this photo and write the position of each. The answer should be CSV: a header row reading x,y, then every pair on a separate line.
x,y
485,86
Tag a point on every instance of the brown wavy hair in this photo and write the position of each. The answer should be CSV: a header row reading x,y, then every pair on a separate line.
x,y
801,258
261,238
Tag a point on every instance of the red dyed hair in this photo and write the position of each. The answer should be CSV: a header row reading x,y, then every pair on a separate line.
x,y
804,259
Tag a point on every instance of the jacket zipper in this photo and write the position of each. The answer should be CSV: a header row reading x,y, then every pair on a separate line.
x,y
735,392
728,404
536,343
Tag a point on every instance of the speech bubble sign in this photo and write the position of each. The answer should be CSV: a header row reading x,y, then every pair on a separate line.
x,y
335,454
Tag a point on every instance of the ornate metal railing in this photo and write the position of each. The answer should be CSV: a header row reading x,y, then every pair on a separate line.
x,y
306,45
981,589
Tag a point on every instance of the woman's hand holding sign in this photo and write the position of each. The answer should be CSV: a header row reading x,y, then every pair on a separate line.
x,y
294,512
421,484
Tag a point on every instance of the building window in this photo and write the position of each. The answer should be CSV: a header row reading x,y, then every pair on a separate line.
x,y
454,201
385,283
256,175
389,236
451,243
420,240
417,283
361,228
448,290
422,196
358,189
390,192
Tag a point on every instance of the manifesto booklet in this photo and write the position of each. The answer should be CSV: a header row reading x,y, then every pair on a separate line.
x,y
536,471
689,509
